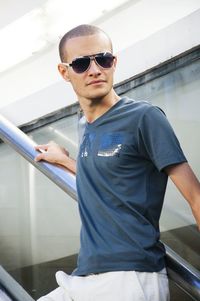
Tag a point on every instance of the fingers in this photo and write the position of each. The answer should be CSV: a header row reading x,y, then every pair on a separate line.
x,y
45,146
39,157
42,146
51,147
50,152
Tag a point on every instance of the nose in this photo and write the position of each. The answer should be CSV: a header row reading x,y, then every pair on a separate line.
x,y
94,68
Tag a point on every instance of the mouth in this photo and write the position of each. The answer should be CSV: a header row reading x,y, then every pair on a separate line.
x,y
96,82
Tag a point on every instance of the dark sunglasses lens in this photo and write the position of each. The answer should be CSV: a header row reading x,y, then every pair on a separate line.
x,y
105,60
80,65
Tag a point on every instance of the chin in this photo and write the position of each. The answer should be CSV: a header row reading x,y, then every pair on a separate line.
x,y
98,95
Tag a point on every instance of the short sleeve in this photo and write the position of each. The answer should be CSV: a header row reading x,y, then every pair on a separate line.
x,y
157,140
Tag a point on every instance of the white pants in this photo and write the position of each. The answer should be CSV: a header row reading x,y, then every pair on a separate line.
x,y
111,286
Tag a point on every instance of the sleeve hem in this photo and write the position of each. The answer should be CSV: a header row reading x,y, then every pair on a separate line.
x,y
163,166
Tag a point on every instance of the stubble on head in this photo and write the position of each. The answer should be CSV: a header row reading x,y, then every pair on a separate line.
x,y
79,31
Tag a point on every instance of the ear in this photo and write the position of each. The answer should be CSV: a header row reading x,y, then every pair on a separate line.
x,y
115,62
63,70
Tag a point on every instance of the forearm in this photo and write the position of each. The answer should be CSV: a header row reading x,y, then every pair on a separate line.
x,y
186,181
189,186
68,163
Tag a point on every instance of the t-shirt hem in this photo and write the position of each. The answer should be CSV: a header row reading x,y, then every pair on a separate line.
x,y
138,268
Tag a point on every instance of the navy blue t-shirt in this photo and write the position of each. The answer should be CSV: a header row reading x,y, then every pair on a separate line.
x,y
121,186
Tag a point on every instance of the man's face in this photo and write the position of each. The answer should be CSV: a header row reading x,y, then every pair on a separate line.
x,y
96,82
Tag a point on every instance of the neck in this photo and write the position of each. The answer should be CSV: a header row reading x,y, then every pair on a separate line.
x,y
94,108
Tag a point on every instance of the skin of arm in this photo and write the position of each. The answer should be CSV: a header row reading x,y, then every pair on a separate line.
x,y
187,183
53,153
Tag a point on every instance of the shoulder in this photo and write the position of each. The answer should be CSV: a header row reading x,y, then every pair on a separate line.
x,y
141,107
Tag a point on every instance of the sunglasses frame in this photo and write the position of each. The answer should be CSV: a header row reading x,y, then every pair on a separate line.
x,y
92,58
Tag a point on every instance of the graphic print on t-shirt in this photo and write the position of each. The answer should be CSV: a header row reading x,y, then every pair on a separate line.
x,y
86,146
110,145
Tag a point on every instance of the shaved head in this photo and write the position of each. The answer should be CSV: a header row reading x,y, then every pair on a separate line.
x,y
79,31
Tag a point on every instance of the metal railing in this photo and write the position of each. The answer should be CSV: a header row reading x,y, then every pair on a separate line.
x,y
180,271
183,274
22,144
10,288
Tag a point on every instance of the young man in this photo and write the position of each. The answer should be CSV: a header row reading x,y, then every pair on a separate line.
x,y
127,151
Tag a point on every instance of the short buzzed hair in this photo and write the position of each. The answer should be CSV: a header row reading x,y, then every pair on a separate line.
x,y
79,31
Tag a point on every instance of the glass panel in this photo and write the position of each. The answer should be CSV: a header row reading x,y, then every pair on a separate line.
x,y
178,93
39,223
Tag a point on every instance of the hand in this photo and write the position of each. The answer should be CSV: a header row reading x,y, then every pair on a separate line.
x,y
56,154
53,153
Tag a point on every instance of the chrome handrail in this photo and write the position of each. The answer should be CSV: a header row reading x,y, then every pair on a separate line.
x,y
180,271
21,143
12,288
183,273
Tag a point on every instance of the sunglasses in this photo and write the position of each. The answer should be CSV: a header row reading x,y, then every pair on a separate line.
x,y
82,64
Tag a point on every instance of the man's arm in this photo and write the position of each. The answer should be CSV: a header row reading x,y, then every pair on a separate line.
x,y
56,154
189,186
